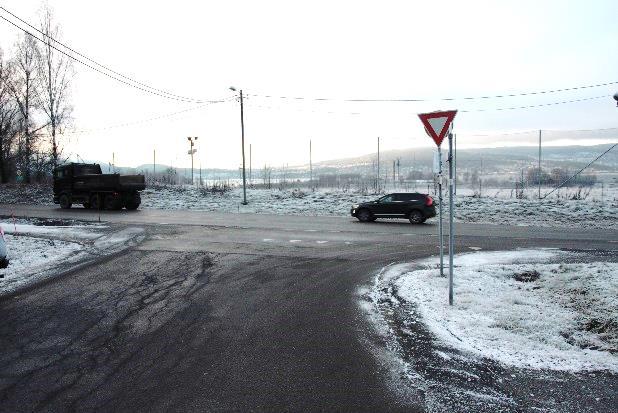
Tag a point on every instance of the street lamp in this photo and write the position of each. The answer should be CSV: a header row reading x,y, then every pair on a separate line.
x,y
191,152
242,131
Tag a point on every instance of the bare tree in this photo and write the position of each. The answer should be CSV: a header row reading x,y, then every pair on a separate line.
x,y
8,121
55,72
23,87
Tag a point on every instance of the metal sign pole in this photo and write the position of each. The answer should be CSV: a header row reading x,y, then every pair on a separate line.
x,y
451,235
440,212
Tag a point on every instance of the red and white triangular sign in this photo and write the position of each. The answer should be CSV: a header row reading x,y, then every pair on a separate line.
x,y
437,124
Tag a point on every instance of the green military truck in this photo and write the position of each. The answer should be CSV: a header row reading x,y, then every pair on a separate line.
x,y
81,183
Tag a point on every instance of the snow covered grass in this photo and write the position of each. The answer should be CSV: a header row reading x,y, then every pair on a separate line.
x,y
19,226
36,246
28,255
519,309
548,212
498,207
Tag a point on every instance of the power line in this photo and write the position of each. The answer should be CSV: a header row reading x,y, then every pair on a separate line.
x,y
138,122
507,95
463,111
536,106
578,172
118,78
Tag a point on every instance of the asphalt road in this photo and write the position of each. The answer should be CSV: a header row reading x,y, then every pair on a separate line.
x,y
226,312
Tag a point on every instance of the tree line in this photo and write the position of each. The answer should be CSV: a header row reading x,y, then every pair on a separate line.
x,y
35,104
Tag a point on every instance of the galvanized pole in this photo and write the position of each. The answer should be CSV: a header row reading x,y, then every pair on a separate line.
x,y
191,151
250,167
539,175
154,163
441,230
455,164
242,127
451,235
378,181
310,167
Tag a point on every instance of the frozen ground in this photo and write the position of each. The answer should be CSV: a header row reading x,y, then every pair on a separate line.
x,y
538,309
28,255
494,210
38,247
599,209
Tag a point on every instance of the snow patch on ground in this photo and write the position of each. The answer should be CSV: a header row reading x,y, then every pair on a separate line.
x,y
500,207
78,232
28,256
519,309
39,249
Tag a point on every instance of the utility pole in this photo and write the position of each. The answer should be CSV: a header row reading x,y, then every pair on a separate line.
x,y
114,161
378,180
154,163
201,182
242,129
481,180
250,166
310,167
398,170
539,175
394,164
191,152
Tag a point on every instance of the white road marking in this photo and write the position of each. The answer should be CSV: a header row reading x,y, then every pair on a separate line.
x,y
334,231
348,243
311,230
267,239
475,248
295,240
321,242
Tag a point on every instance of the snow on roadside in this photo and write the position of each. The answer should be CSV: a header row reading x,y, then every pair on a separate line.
x,y
74,231
529,212
520,310
29,255
37,246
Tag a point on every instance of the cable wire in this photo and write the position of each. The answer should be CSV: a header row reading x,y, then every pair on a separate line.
x,y
142,121
508,95
578,172
118,79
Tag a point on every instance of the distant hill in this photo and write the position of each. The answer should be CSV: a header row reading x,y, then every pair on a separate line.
x,y
506,159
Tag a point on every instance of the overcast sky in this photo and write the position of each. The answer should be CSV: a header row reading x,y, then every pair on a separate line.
x,y
333,49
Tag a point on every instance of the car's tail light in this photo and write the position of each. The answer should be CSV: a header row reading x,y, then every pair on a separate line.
x,y
428,201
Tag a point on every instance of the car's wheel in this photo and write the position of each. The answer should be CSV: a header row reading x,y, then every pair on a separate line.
x,y
95,201
364,215
64,201
112,202
416,217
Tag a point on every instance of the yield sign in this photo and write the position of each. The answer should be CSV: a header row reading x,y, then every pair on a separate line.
x,y
437,124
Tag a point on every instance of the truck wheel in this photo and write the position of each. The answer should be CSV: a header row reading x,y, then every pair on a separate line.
x,y
132,201
64,201
112,202
415,217
95,201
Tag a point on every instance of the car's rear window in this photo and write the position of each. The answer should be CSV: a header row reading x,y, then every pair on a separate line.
x,y
410,197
